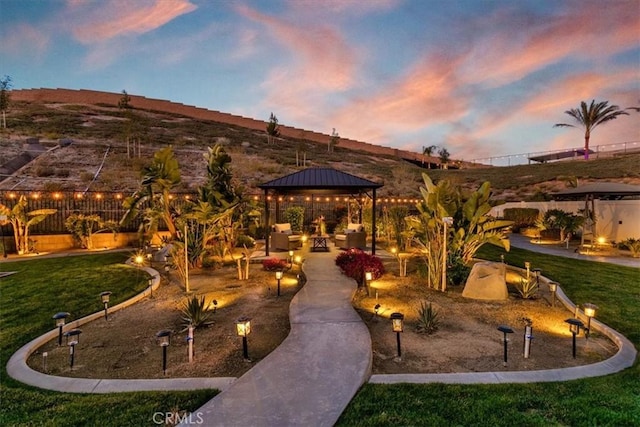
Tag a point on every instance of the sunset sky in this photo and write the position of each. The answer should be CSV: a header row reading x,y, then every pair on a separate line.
x,y
479,77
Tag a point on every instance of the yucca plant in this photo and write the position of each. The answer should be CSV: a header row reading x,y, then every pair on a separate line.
x,y
528,287
428,318
195,312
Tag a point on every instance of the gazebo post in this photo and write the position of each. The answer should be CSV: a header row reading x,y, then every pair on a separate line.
x,y
266,221
373,224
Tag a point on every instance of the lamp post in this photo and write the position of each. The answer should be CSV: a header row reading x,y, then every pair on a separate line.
x,y
150,283
368,277
527,265
397,325
243,329
74,336
447,220
279,275
60,319
291,257
574,327
505,330
589,311
164,339
538,273
553,288
104,296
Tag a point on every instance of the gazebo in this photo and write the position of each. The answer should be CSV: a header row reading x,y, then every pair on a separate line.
x,y
321,181
598,190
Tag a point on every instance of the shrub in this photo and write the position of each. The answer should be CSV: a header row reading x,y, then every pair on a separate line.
x,y
295,216
521,217
195,312
458,272
355,262
274,264
631,244
527,288
243,240
428,320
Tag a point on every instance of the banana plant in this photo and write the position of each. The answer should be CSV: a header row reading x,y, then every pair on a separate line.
x,y
22,220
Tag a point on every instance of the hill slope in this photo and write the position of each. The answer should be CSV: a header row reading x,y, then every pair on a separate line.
x,y
99,151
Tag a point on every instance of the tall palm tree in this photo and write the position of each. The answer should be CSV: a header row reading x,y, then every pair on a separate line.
x,y
590,117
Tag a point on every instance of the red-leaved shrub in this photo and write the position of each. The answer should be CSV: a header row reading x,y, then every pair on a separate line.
x,y
355,262
274,264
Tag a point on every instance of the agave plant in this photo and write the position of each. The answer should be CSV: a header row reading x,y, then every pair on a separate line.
x,y
428,320
195,312
528,287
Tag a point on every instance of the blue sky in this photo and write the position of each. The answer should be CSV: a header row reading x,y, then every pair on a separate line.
x,y
479,77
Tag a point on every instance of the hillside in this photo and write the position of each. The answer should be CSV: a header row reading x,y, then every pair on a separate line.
x,y
98,149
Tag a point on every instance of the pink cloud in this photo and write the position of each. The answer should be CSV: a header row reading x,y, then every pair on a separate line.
x,y
24,38
313,7
116,17
519,49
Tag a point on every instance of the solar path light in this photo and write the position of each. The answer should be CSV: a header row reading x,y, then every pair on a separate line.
x,y
243,329
505,330
60,319
397,325
553,288
164,339
574,327
73,338
104,296
279,275
590,312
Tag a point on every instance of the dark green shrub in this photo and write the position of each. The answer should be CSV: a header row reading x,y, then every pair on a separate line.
x,y
243,240
521,217
457,271
294,215
194,312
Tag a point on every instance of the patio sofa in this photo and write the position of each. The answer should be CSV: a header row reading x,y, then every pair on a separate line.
x,y
282,237
354,236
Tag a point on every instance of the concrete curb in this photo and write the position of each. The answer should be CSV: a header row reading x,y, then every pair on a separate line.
x,y
623,359
18,369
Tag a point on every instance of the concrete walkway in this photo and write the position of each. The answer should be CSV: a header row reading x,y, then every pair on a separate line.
x,y
311,377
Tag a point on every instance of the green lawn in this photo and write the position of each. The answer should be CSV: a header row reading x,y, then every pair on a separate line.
x,y
613,400
29,298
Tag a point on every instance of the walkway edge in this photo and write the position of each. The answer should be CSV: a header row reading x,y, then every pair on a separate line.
x,y
624,358
18,369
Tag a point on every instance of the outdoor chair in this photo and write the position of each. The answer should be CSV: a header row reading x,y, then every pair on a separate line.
x,y
354,236
283,238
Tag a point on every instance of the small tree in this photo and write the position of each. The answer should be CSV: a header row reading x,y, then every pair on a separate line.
x,y
5,98
428,151
83,227
563,221
295,216
21,220
444,157
273,130
333,141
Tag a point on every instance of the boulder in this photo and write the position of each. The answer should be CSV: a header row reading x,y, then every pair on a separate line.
x,y
486,282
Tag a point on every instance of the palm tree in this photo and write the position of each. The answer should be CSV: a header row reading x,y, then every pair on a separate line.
x,y
428,151
590,117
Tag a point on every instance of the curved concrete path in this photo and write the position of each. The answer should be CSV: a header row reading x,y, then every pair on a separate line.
x,y
311,377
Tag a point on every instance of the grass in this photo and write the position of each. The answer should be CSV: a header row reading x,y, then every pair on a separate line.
x,y
29,298
612,400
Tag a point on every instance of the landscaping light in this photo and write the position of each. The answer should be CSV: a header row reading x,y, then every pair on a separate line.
x,y
164,339
368,276
589,311
376,309
505,330
527,265
104,296
215,305
74,335
574,327
298,259
528,336
397,325
291,256
602,240
150,282
139,260
538,273
279,275
553,288
60,320
304,239
502,258
243,329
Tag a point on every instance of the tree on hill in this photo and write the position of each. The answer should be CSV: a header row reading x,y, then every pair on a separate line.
x,y
588,117
428,151
5,98
273,130
444,157
333,141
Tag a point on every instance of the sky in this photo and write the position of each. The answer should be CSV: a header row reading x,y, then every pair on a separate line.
x,y
479,77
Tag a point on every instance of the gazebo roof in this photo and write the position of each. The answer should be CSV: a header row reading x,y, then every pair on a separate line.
x,y
601,190
320,181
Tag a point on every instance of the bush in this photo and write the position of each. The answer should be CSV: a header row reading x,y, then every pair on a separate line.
x,y
355,262
274,264
428,320
631,244
521,217
294,215
244,240
458,272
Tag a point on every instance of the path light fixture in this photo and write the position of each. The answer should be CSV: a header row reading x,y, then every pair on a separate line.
x,y
553,288
574,327
150,283
243,329
538,273
73,338
279,274
589,311
104,296
60,319
505,330
376,309
528,336
502,258
139,260
164,339
446,221
304,239
397,325
291,257
215,305
527,265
